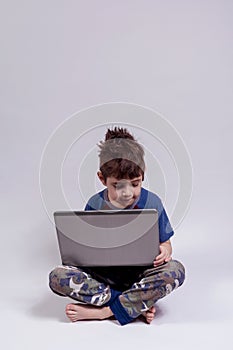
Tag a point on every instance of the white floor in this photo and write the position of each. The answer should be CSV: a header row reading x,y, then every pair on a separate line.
x,y
33,318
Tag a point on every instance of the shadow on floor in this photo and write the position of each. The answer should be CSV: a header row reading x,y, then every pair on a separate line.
x,y
53,307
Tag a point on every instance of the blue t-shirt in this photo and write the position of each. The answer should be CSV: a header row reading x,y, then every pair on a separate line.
x,y
146,200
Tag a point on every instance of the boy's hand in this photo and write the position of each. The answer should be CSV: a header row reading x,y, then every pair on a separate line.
x,y
165,253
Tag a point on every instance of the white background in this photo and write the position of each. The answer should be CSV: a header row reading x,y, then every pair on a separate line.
x,y
59,57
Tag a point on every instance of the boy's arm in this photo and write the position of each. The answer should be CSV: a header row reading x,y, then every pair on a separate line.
x,y
165,253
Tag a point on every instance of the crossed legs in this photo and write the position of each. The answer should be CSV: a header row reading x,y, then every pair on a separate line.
x,y
101,301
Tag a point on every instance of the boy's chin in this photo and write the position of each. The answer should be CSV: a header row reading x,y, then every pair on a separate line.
x,y
125,204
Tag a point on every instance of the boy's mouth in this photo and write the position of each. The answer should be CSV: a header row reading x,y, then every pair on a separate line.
x,y
126,200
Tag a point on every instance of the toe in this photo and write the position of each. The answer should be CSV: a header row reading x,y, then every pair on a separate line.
x,y
68,307
71,307
70,313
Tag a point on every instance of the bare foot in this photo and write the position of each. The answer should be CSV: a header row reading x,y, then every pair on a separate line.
x,y
149,314
76,312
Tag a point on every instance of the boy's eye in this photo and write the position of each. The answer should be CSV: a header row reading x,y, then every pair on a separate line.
x,y
118,186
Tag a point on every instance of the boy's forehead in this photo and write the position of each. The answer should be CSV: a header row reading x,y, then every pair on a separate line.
x,y
113,179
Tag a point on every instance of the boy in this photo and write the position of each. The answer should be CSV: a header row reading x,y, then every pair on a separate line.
x,y
124,292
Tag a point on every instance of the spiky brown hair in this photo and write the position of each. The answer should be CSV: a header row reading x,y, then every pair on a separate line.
x,y
121,156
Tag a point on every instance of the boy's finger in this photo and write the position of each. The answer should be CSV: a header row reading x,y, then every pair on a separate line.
x,y
158,262
168,259
160,256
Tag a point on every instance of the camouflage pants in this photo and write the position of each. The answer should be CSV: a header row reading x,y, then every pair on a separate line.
x,y
152,284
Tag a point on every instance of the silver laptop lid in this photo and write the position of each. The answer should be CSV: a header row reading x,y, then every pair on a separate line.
x,y
108,238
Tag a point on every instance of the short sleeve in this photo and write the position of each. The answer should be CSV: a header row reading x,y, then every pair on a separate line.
x,y
165,229
150,200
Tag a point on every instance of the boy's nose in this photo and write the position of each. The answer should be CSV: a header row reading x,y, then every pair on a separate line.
x,y
127,191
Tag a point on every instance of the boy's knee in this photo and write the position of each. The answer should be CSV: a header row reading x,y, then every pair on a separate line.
x,y
61,276
177,270
55,278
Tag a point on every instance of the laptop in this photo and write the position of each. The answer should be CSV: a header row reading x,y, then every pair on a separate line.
x,y
128,237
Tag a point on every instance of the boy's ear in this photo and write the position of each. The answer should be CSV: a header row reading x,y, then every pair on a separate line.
x,y
143,177
100,176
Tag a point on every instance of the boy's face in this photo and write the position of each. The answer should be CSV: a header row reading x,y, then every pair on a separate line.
x,y
122,193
